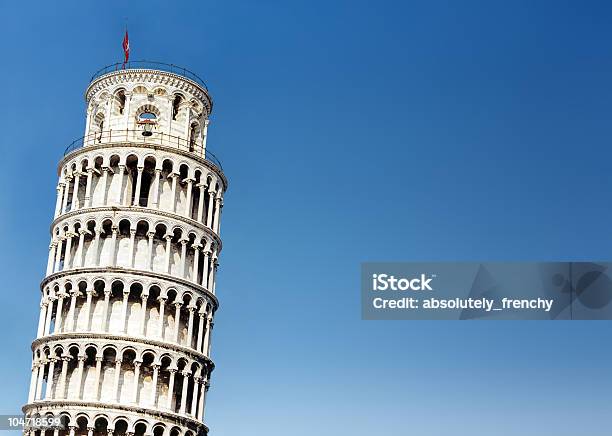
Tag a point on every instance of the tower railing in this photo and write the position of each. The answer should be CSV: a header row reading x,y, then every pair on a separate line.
x,y
150,65
136,136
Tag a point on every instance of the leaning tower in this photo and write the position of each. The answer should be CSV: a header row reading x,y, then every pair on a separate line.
x,y
128,300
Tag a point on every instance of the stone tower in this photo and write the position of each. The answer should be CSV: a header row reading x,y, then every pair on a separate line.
x,y
128,300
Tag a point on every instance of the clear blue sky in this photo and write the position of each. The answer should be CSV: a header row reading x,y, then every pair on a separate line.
x,y
350,131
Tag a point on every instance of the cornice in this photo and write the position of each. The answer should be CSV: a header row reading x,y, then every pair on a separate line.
x,y
196,355
139,209
182,420
210,165
133,272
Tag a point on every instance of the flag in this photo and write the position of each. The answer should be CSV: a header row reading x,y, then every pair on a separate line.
x,y
126,48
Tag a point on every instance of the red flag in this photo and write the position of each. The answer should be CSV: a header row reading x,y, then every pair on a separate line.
x,y
126,48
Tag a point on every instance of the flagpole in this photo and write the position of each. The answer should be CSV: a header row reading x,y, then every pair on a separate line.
x,y
126,33
126,46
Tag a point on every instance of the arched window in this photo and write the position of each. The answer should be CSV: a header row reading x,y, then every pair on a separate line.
x,y
194,132
98,126
147,117
147,120
121,101
176,105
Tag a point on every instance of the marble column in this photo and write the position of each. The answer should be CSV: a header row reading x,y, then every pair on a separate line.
x,y
60,197
149,263
201,322
124,310
143,313
173,195
209,326
95,247
218,203
194,396
58,313
51,261
171,388
50,303
183,406
33,380
80,376
131,254
90,172
97,378
201,202
154,384
177,320
168,253
183,264
191,308
105,307
203,390
122,201
213,272
113,247
71,318
78,256
196,261
209,215
103,185
66,195
68,254
63,375
138,187
156,177
162,306
90,294
188,200
75,192
50,374
42,317
116,380
137,364
58,254
39,381
206,269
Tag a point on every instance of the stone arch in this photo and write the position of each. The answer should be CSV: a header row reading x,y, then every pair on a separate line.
x,y
127,375
140,89
136,298
194,135
140,427
98,126
159,429
159,90
148,108
147,178
101,423
82,421
88,389
110,356
178,99
66,420
121,424
119,100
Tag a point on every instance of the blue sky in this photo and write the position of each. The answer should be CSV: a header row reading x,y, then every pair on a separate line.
x,y
350,132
